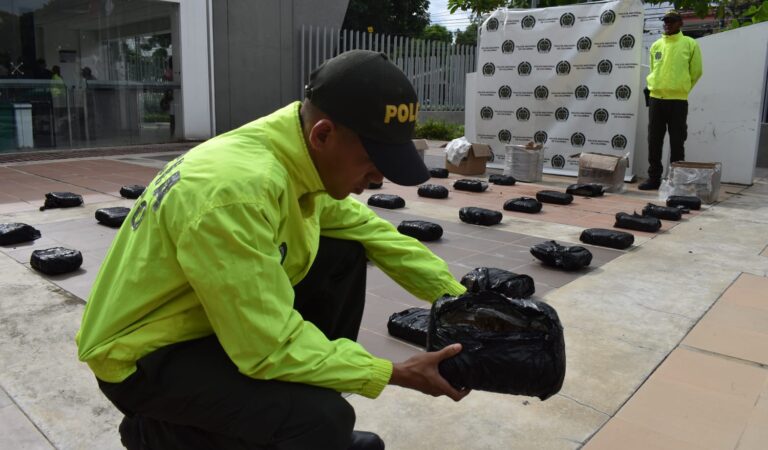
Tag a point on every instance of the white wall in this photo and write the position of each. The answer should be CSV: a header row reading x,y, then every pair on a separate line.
x,y
725,107
196,86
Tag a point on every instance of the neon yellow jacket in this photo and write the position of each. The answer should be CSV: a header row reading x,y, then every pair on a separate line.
x,y
675,67
200,254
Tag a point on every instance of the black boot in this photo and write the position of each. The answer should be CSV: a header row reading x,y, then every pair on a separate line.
x,y
650,184
365,440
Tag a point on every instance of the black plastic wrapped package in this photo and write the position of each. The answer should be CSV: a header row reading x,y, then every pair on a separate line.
x,y
555,197
61,200
683,209
375,185
387,201
421,230
466,184
112,217
479,216
586,190
56,260
607,238
502,180
637,222
132,191
509,346
686,201
16,233
433,191
410,325
437,172
523,204
662,212
567,258
504,282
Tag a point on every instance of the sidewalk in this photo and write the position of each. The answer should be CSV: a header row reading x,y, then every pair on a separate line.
x,y
666,342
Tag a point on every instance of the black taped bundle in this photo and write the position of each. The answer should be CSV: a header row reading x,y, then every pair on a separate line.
x,y
567,258
607,238
410,325
421,230
388,201
436,172
686,201
662,212
558,198
132,191
586,190
56,260
112,217
479,216
504,282
470,185
61,200
637,222
433,191
375,185
16,233
502,180
523,204
510,346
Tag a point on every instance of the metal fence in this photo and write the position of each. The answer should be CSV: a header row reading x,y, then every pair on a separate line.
x,y
436,69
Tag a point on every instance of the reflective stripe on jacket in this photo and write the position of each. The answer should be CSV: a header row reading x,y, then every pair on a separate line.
x,y
215,245
675,67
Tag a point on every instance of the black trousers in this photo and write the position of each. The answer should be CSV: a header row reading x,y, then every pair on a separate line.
x,y
663,116
190,395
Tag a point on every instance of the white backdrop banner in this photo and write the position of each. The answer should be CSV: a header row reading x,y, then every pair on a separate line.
x,y
566,77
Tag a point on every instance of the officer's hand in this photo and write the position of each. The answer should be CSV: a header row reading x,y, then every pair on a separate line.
x,y
421,373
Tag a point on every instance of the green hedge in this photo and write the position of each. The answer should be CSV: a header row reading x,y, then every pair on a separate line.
x,y
437,130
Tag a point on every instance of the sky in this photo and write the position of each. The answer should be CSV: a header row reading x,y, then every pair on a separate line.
x,y
438,13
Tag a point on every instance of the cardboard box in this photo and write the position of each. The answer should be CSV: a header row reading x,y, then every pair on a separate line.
x,y
701,179
421,146
599,168
524,162
474,163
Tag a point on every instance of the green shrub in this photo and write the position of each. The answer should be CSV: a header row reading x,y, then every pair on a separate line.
x,y
157,117
440,131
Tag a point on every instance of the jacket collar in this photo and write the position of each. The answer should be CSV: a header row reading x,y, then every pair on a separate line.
x,y
672,37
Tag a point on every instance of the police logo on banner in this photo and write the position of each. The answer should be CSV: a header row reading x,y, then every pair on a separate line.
x,y
505,136
540,137
562,114
505,92
508,46
581,92
627,42
522,114
600,115
558,161
607,17
493,24
619,142
578,140
524,68
489,69
544,45
486,113
563,68
567,20
584,44
623,93
604,67
541,93
528,22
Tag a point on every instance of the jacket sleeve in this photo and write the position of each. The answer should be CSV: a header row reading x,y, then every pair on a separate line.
x,y
403,258
231,258
695,64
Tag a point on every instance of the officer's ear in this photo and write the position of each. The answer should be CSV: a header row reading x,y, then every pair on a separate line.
x,y
321,134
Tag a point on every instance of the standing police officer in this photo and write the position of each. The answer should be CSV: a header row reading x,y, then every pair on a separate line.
x,y
675,69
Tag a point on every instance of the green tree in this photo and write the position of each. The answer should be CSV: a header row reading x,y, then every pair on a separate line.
x,y
400,17
436,32
468,36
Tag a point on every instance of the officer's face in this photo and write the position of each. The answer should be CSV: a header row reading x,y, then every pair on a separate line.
x,y
341,160
672,26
